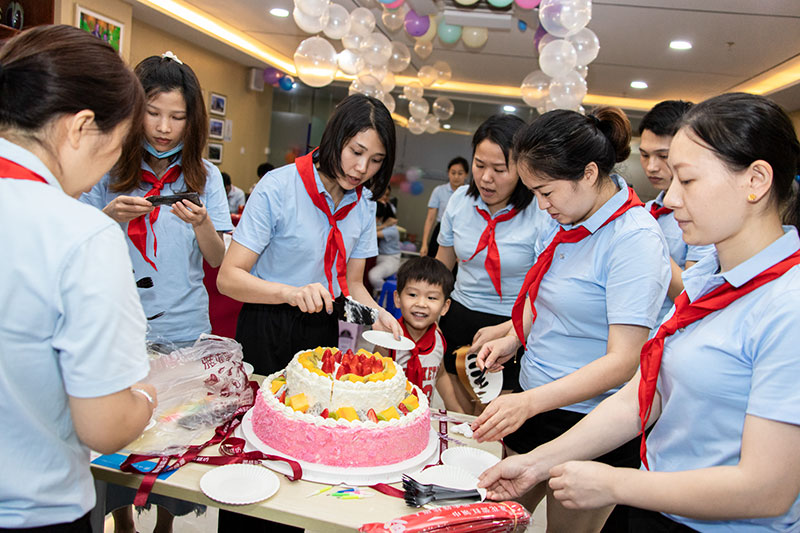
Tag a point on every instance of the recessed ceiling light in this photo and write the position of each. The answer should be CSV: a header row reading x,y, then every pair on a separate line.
x,y
279,12
446,126
680,45
509,108
639,84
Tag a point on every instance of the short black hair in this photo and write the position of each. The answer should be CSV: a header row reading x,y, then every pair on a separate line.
x,y
226,178
458,161
427,269
665,117
355,114
263,168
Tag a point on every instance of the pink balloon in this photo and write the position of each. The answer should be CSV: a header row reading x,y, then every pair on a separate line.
x,y
272,75
394,5
416,25
527,4
405,187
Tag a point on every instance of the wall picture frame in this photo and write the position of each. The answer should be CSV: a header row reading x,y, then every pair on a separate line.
x,y
215,152
216,128
217,104
103,27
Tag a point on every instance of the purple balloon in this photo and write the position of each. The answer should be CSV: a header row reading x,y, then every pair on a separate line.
x,y
416,25
540,33
272,75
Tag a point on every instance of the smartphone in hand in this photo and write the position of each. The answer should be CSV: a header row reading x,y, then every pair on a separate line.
x,y
173,198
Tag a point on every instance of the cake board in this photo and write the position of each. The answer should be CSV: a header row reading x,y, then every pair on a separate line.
x,y
333,475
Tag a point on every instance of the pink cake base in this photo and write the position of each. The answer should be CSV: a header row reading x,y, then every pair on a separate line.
x,y
339,445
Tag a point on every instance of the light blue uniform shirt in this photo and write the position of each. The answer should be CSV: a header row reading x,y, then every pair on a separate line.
x,y
462,227
389,244
439,197
617,275
679,251
289,233
71,325
740,360
178,288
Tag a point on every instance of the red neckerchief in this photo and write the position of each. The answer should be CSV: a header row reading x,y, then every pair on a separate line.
x,y
423,346
335,243
533,278
137,228
14,171
492,261
687,312
657,210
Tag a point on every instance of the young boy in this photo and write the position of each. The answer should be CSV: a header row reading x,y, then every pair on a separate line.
x,y
423,295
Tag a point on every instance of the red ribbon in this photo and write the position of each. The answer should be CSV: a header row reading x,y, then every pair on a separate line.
x,y
14,171
423,346
687,312
533,278
137,228
492,261
335,242
657,210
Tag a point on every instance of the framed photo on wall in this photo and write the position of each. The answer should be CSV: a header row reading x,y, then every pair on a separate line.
x,y
215,152
216,128
217,104
105,28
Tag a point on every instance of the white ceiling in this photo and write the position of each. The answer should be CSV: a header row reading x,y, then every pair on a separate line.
x,y
734,41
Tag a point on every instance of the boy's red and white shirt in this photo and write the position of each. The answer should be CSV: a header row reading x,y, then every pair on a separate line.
x,y
422,362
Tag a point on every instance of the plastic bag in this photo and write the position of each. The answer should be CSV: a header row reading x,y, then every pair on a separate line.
x,y
484,517
199,388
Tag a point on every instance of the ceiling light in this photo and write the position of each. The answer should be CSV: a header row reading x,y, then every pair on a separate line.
x,y
639,84
446,126
509,108
279,12
680,45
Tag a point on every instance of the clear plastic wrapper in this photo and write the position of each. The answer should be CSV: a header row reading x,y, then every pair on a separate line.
x,y
483,517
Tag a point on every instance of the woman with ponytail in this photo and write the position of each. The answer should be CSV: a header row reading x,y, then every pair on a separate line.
x,y
588,303
719,378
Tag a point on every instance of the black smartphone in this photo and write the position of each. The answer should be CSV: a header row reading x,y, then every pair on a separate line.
x,y
171,199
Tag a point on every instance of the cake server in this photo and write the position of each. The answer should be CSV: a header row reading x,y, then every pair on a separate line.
x,y
354,312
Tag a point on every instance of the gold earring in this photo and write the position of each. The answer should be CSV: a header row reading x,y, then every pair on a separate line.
x,y
751,197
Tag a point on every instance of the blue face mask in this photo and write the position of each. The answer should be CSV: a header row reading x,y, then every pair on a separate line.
x,y
161,155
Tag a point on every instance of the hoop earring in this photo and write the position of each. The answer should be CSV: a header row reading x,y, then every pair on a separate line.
x,y
751,197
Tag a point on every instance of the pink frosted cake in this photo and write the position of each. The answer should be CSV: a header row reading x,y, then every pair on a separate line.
x,y
342,409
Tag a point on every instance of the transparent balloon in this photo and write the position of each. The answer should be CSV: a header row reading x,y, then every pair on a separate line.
x,y
378,72
443,108
315,61
417,127
350,62
427,75
388,101
392,19
583,70
586,44
352,41
444,71
423,49
431,124
308,23
399,58
567,92
544,41
376,49
338,22
449,33
312,8
388,82
362,21
418,108
558,58
535,88
474,37
367,85
564,17
413,91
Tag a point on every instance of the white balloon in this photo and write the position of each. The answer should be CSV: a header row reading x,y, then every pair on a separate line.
x,y
444,71
376,49
567,91
352,41
427,75
558,58
564,17
393,19
387,82
418,108
535,88
400,57
376,71
544,42
308,23
443,108
583,70
388,101
586,44
474,37
431,124
350,62
315,61
312,8
416,126
367,85
362,21
338,22
423,49
413,91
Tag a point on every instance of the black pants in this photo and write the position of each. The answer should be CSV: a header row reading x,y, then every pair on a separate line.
x,y
641,521
81,525
433,242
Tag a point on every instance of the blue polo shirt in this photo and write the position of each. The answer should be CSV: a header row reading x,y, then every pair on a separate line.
x,y
72,326
178,289
617,275
439,197
516,238
740,360
289,233
389,244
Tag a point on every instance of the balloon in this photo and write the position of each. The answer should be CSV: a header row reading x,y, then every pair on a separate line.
x,y
352,41
388,101
535,88
474,37
449,33
272,75
583,70
417,187
376,49
286,83
443,108
406,185
397,179
500,3
378,72
416,127
350,62
392,19
427,75
309,24
312,8
557,58
431,124
540,32
394,5
367,85
416,25
315,61
423,49
338,22
362,21
466,2
527,4
581,110
431,32
388,82
568,91
400,57
418,108
413,91
413,174
586,44
521,25
544,41
443,70
564,17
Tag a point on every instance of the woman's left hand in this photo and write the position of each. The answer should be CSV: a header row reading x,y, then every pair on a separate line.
x,y
583,484
189,212
504,415
386,322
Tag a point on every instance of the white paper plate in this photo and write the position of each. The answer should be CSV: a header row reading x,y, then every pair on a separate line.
x,y
239,484
473,460
491,384
446,476
248,368
387,340
149,424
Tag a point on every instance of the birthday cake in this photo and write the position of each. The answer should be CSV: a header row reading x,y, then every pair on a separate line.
x,y
342,409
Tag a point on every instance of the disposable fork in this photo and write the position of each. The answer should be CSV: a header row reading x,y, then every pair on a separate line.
x,y
418,494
